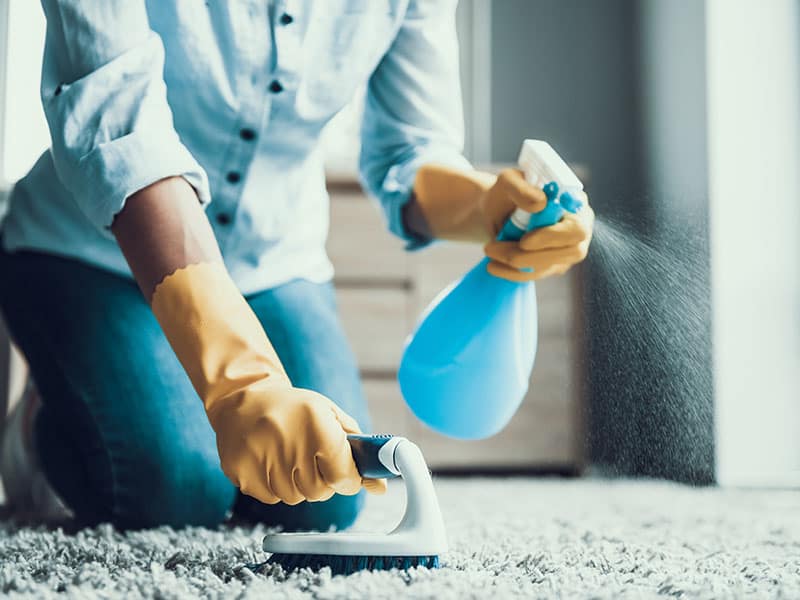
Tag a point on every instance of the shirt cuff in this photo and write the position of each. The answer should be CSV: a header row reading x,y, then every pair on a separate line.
x,y
113,171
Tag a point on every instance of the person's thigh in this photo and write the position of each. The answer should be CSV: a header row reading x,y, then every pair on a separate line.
x,y
302,322
122,435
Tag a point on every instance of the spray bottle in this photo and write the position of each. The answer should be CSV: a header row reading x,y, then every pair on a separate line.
x,y
465,368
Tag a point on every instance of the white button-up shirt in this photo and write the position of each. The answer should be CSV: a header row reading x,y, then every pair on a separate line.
x,y
232,95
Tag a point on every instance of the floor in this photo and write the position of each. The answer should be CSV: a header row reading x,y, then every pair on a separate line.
x,y
509,538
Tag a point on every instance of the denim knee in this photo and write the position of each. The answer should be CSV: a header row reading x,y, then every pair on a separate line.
x,y
170,478
179,487
340,512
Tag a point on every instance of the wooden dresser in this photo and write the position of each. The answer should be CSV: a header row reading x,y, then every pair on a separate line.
x,y
382,290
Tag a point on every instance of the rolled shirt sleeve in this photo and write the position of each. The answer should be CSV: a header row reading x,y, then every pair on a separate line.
x,y
413,112
105,101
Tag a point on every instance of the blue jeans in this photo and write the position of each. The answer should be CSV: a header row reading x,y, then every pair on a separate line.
x,y
122,435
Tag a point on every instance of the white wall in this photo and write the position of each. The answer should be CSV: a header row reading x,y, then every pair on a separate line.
x,y
4,12
474,23
754,159
23,133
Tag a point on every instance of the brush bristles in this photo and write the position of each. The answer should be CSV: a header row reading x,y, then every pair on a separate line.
x,y
344,565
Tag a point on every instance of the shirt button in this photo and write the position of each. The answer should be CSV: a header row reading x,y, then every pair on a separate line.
x,y
247,134
275,87
223,219
286,19
233,177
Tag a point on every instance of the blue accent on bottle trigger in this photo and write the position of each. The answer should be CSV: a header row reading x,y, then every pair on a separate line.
x,y
570,202
557,204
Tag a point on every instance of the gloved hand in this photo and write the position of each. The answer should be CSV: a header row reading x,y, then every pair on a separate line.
x,y
543,251
474,206
275,442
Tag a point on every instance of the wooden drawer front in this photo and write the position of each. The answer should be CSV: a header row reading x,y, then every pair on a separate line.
x,y
541,434
376,323
556,304
360,246
552,377
437,266
390,414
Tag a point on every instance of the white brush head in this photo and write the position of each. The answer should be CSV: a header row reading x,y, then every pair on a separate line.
x,y
542,165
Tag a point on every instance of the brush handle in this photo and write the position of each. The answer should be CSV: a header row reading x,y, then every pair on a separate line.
x,y
371,462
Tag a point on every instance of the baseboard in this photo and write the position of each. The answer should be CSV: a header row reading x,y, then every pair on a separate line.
x,y
759,479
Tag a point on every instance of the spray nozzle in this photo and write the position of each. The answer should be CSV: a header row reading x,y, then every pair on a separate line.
x,y
545,168
551,190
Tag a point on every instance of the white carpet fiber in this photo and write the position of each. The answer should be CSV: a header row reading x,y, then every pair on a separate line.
x,y
509,538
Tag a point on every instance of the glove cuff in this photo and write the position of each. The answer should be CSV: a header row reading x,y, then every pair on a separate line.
x,y
450,202
216,336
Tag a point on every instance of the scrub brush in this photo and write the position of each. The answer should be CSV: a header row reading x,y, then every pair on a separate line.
x,y
417,540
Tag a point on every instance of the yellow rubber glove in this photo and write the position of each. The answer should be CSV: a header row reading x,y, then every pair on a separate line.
x,y
474,206
275,442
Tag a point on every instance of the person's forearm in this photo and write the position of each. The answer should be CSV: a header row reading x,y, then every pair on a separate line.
x,y
161,229
267,431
